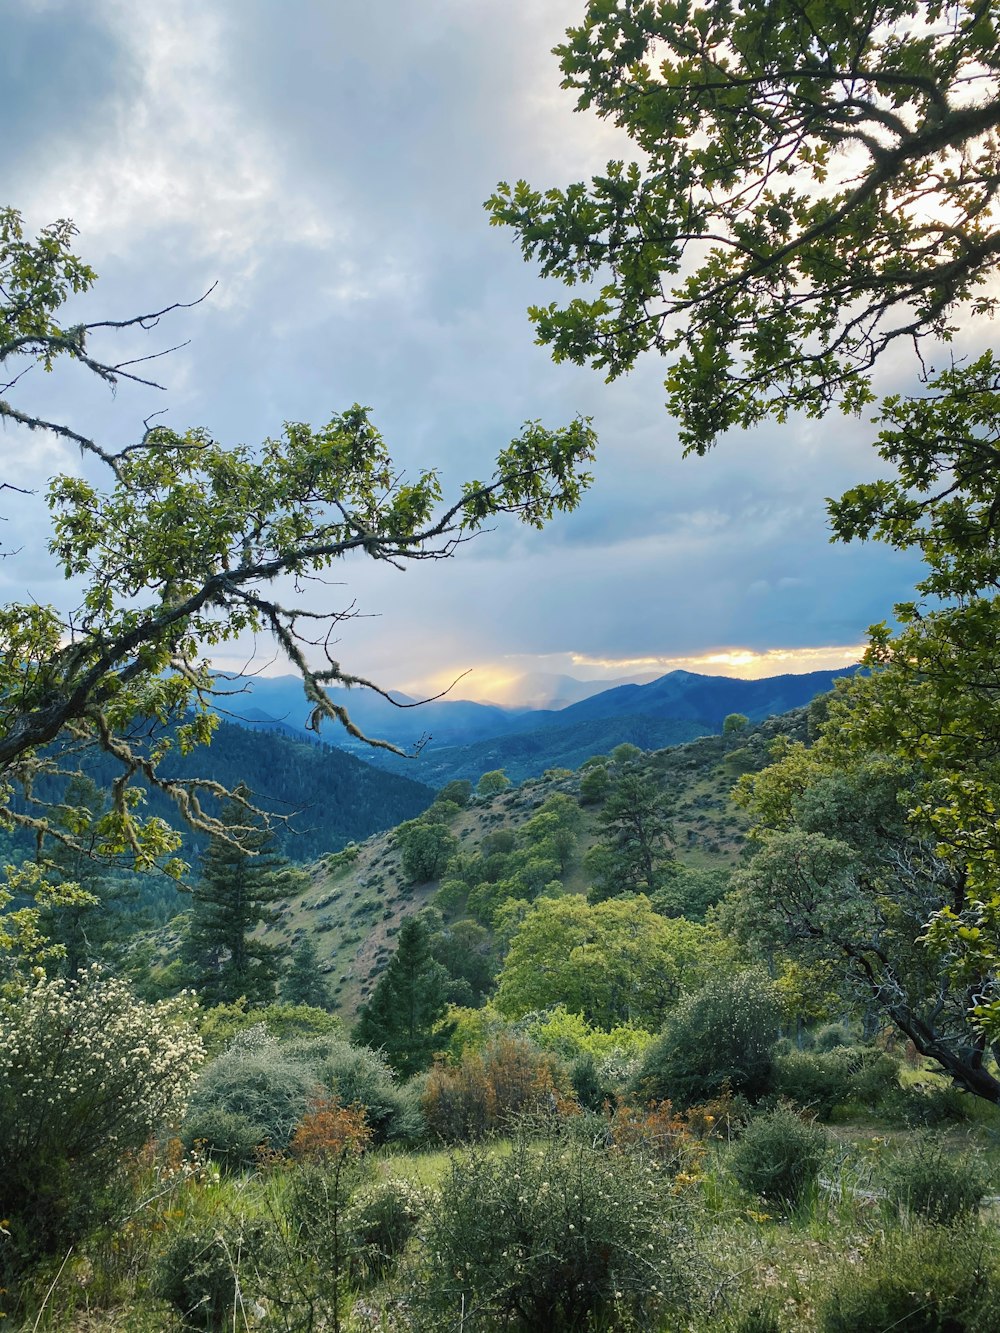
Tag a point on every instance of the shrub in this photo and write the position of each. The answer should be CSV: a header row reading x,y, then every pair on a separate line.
x,y
816,1082
924,1179
928,1280
557,1235
873,1076
832,1035
925,1107
594,785
358,1076
717,1037
328,1129
89,1072
225,1136
380,1223
308,1279
269,1091
658,1131
489,1091
779,1156
203,1272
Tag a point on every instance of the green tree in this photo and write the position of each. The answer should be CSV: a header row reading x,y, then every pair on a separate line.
x,y
818,184
633,856
616,962
426,849
466,951
721,1036
458,791
304,982
842,878
405,1014
493,783
179,553
812,185
594,785
239,886
735,724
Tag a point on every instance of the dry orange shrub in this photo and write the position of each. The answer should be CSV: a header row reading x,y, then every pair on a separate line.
x,y
328,1130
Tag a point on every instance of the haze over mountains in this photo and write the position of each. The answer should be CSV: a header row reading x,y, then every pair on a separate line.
x,y
461,738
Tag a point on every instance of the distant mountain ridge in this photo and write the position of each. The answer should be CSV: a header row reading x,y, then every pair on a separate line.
x,y
463,739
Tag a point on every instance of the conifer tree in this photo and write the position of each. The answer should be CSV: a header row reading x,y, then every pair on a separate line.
x,y
403,1016
304,983
633,856
240,883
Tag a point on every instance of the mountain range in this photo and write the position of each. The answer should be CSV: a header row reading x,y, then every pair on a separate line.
x,y
461,739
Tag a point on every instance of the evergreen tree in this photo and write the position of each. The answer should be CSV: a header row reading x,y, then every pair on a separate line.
x,y
404,1014
241,880
633,856
304,983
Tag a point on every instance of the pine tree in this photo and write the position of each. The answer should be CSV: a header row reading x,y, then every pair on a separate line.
x,y
404,1014
241,881
633,856
304,983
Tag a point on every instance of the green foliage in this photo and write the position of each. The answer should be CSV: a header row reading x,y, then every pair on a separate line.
x,y
633,856
207,1271
405,1014
304,983
735,724
925,1179
380,1223
778,1156
89,1074
356,1076
594,785
309,1282
719,1037
830,1036
257,1082
615,962
557,1234
771,250
815,1081
923,1280
625,754
220,1025
689,891
458,791
843,879
240,883
464,949
492,783
426,849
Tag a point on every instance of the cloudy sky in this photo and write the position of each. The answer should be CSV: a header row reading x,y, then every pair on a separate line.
x,y
325,162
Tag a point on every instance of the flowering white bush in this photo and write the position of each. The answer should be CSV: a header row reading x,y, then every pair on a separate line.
x,y
89,1068
89,1072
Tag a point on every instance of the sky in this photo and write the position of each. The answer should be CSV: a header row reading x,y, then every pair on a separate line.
x,y
325,165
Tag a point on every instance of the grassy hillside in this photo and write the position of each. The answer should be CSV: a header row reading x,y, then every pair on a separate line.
x,y
356,899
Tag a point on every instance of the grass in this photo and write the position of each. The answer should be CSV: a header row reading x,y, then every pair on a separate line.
x,y
758,1255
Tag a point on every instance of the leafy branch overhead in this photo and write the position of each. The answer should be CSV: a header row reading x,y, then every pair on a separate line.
x,y
180,554
812,183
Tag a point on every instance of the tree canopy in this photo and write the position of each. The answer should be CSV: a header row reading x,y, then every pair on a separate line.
x,y
842,875
179,552
614,962
813,183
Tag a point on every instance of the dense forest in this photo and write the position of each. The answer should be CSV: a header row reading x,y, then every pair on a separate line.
x,y
691,1034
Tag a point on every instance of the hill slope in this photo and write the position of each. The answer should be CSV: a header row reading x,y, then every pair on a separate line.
x,y
356,901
